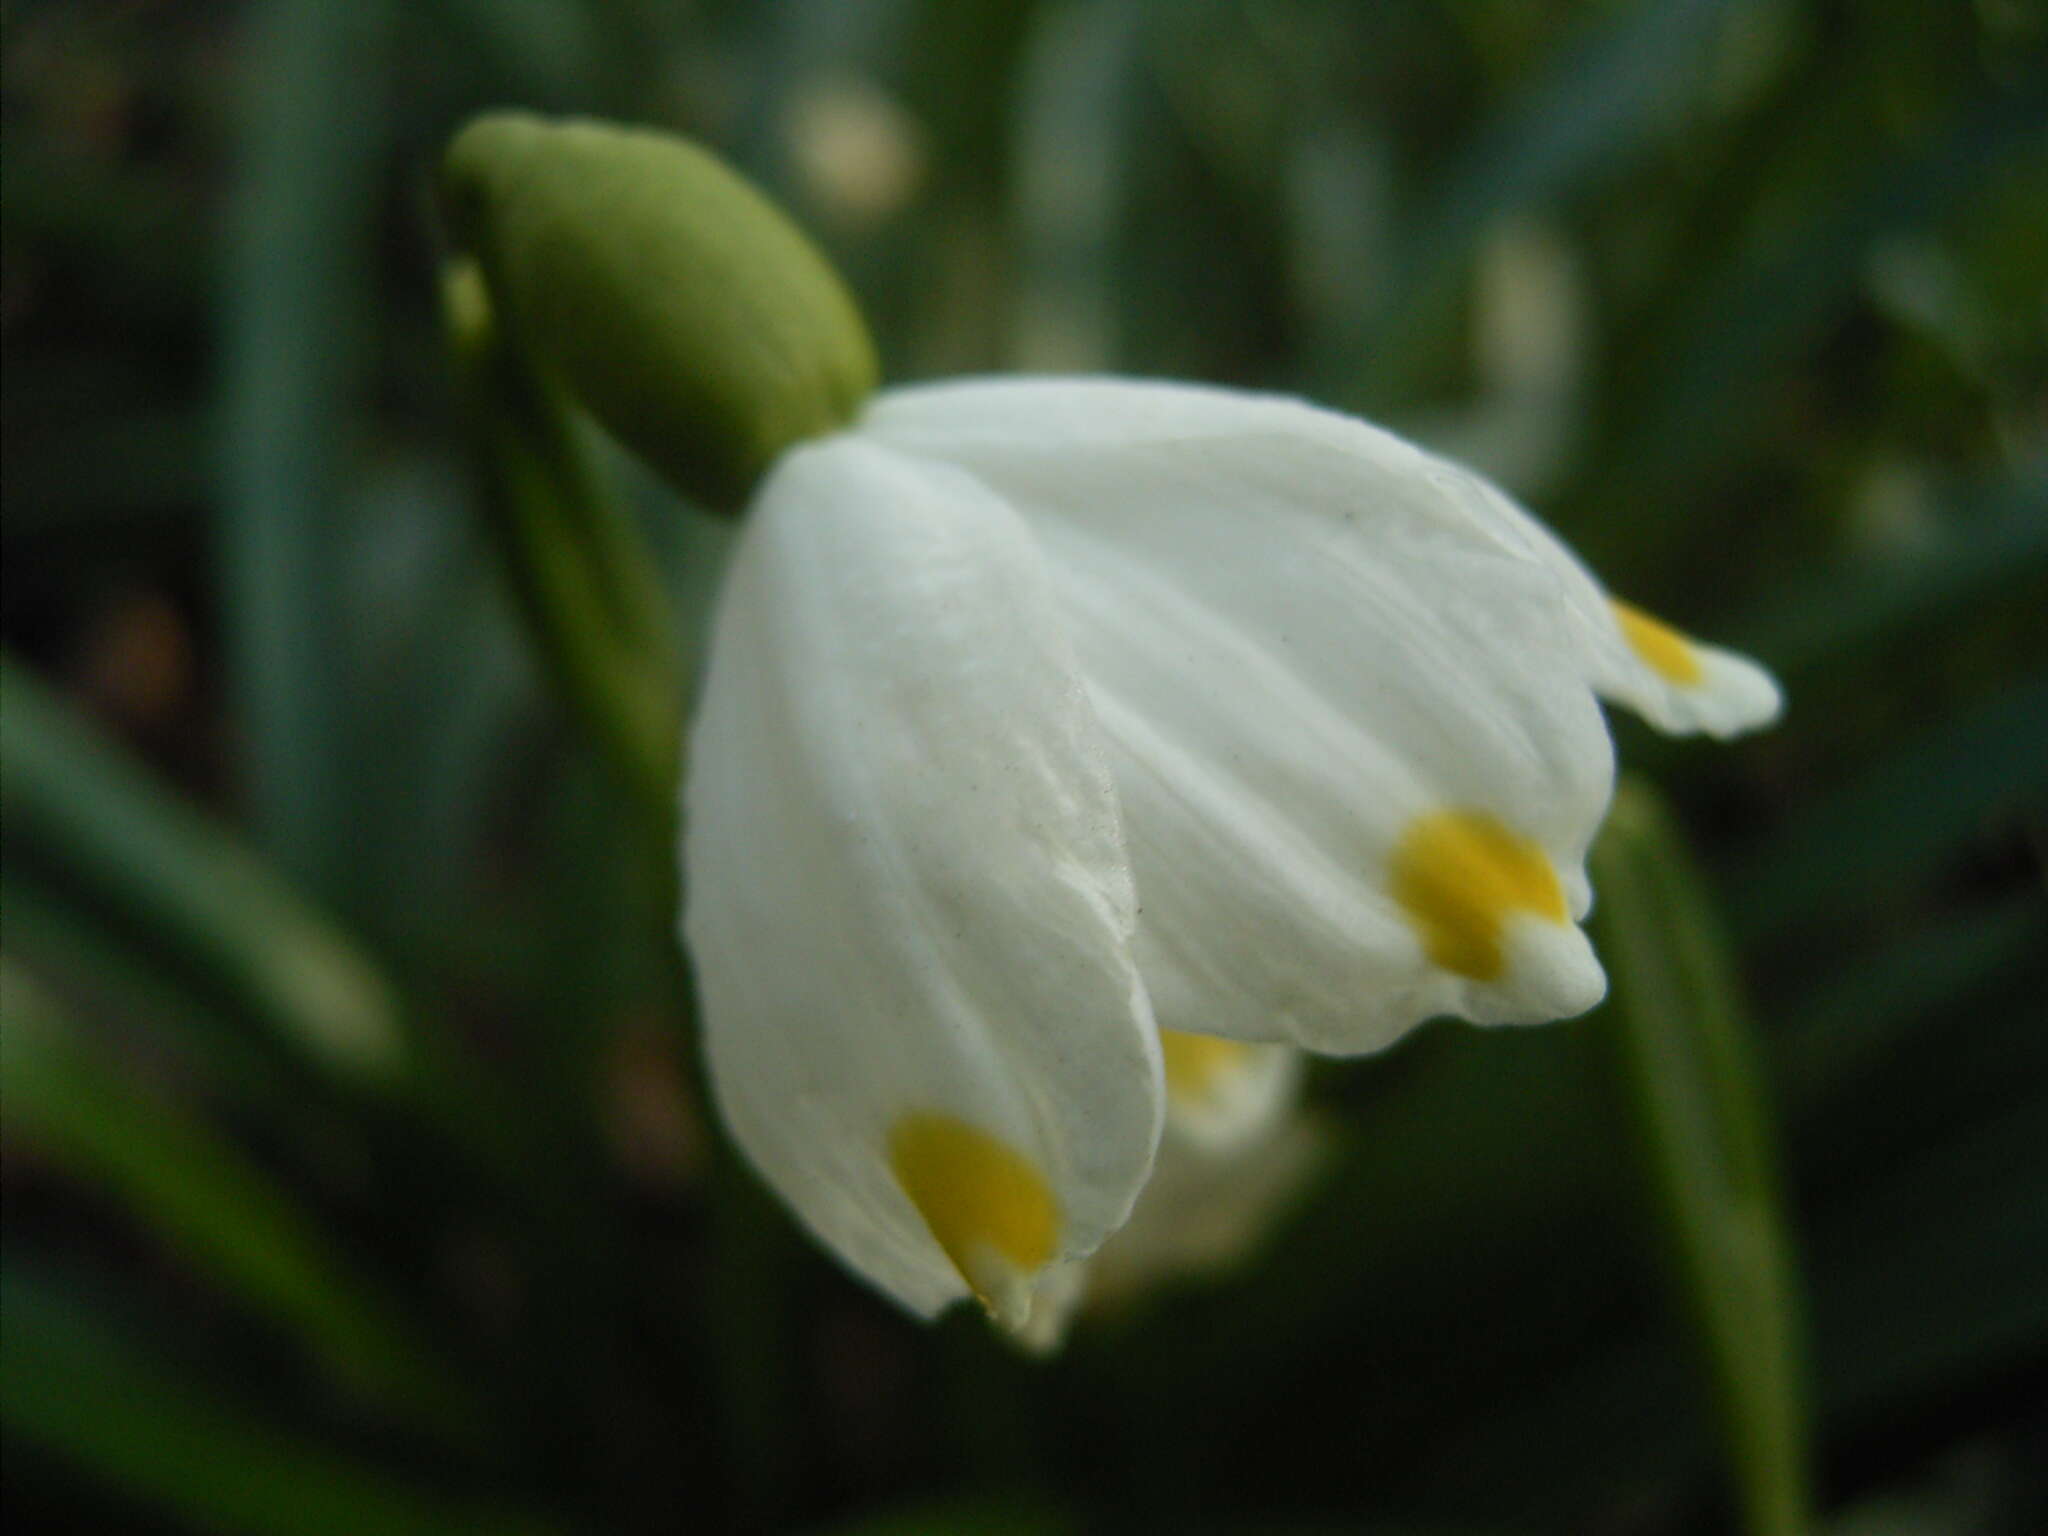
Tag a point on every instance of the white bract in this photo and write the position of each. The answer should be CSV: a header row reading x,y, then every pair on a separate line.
x,y
1061,735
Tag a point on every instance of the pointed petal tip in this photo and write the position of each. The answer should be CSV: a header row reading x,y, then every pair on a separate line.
x,y
1552,973
988,1207
1739,696
1684,686
1004,1290
1056,1295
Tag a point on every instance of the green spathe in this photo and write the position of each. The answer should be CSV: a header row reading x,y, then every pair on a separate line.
x,y
675,302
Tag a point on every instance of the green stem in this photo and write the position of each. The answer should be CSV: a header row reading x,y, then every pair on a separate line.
x,y
579,569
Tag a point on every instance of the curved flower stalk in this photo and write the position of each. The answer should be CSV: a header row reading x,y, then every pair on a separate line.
x,y
1060,734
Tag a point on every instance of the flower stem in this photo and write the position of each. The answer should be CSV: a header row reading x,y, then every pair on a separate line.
x,y
581,572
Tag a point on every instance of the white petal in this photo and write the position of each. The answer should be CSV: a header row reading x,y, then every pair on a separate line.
x,y
1359,759
1223,1094
1202,1213
1236,1154
908,898
1679,684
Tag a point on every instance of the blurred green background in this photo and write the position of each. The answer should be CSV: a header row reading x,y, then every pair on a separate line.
x,y
353,1180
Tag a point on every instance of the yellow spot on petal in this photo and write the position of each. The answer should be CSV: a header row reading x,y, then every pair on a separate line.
x,y
988,1207
1459,875
1197,1066
1660,647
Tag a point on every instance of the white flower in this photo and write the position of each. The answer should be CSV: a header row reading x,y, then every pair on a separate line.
x,y
1046,719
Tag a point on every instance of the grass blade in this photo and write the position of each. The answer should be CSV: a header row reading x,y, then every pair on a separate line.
x,y
185,892
1684,1049
297,307
1611,93
1874,1008
1910,809
1935,1281
1718,374
1994,548
1074,102
76,1389
214,1207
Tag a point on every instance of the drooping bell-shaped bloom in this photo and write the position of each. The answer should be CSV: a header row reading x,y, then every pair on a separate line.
x,y
1048,720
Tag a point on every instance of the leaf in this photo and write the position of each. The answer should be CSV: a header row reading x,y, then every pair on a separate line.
x,y
1614,91
1685,1052
209,1203
1072,149
1714,375
1926,1249
1833,1042
297,322
1916,806
1934,1281
182,890
82,1392
1998,546
113,978
546,53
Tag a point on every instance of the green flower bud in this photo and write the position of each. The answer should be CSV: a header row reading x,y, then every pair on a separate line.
x,y
675,303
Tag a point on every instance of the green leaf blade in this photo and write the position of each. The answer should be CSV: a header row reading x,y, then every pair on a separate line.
x,y
1684,1052
184,889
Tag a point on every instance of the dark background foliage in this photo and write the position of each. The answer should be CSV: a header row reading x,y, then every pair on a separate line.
x,y
1745,296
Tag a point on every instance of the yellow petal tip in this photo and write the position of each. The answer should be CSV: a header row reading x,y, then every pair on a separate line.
x,y
1459,876
988,1207
1658,646
1199,1067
